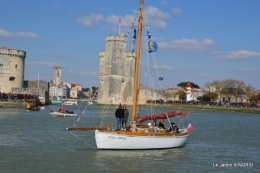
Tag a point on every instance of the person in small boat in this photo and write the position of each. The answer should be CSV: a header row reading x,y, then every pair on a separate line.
x,y
174,128
161,124
28,106
62,110
70,112
126,115
119,116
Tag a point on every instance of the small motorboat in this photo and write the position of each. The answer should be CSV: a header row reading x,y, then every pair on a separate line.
x,y
65,114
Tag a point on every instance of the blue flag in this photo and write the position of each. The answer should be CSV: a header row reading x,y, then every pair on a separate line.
x,y
152,46
148,34
160,78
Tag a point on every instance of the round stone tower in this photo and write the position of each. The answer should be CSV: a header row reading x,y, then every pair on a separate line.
x,y
11,68
116,72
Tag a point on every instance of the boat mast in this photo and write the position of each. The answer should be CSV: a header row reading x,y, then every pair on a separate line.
x,y
137,61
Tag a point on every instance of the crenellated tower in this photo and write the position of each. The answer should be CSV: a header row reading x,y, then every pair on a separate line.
x,y
116,72
11,68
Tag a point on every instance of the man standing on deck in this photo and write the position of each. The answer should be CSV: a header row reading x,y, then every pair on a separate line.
x,y
119,115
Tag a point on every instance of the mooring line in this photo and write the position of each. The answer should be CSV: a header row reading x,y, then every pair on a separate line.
x,y
82,140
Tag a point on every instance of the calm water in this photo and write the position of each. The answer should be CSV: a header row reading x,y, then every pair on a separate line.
x,y
35,142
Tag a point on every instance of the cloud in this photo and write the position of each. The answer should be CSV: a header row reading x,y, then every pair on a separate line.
x,y
158,23
27,35
125,20
153,14
188,45
176,10
155,17
91,20
44,64
4,33
164,2
241,54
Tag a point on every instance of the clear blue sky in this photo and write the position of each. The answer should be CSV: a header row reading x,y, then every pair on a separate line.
x,y
199,41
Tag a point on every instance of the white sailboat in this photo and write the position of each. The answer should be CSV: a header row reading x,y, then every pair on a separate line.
x,y
139,136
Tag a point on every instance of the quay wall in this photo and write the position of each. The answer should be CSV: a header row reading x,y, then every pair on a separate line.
x,y
12,104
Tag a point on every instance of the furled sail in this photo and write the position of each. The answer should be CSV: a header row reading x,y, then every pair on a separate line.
x,y
141,119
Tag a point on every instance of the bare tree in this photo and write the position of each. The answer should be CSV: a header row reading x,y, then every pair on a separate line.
x,y
229,88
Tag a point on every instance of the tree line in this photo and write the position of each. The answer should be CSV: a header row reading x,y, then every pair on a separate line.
x,y
219,89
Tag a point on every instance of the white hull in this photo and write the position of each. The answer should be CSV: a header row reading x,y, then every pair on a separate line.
x,y
58,114
113,140
70,104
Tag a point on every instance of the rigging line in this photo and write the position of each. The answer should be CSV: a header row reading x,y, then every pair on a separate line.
x,y
76,113
132,27
150,82
160,90
168,118
101,122
79,107
82,140
83,111
149,62
71,121
102,115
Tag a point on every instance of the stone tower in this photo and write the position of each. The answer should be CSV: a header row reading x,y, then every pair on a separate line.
x,y
11,68
57,76
116,72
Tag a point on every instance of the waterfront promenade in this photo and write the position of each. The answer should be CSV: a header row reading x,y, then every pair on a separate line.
x,y
255,110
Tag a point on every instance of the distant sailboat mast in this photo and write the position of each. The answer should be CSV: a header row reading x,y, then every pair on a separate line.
x,y
137,61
